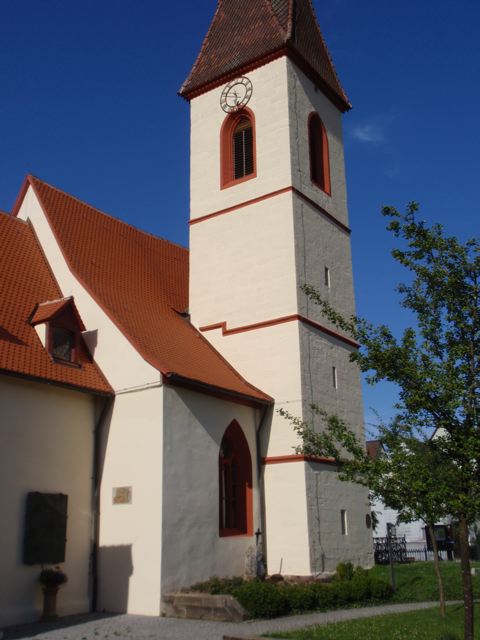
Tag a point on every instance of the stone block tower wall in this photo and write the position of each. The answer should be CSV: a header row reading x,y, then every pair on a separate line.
x,y
253,245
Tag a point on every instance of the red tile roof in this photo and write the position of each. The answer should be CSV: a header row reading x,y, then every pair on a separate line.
x,y
27,281
46,311
141,282
374,448
244,35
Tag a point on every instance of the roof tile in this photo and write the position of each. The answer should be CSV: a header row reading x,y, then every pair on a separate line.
x,y
141,281
242,34
26,282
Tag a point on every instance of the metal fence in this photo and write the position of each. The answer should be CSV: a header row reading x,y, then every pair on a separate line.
x,y
400,552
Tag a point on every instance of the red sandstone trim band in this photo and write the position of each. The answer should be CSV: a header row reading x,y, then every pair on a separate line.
x,y
283,320
296,458
267,196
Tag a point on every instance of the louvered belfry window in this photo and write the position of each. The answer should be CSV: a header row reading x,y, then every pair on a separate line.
x,y
243,149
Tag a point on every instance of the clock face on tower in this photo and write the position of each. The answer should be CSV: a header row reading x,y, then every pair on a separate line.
x,y
236,95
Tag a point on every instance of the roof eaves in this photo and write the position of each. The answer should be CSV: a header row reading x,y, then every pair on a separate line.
x,y
57,383
233,73
218,392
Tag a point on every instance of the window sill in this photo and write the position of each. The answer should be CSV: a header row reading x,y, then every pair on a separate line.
x,y
327,193
234,533
232,183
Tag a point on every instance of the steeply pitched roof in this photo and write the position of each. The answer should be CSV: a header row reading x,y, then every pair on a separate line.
x,y
26,280
141,282
49,310
244,35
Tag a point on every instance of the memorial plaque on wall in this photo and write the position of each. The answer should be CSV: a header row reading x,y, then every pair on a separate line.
x,y
45,529
122,495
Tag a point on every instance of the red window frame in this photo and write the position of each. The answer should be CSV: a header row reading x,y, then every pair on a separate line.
x,y
227,171
319,153
235,484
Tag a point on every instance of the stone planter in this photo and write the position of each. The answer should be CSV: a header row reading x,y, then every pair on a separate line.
x,y
49,604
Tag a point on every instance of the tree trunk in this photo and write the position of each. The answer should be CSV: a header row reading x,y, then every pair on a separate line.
x,y
436,564
466,579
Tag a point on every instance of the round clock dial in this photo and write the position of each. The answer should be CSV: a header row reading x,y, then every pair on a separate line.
x,y
236,95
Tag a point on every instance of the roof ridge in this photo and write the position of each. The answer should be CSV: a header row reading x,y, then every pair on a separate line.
x,y
291,13
107,215
275,18
327,51
64,299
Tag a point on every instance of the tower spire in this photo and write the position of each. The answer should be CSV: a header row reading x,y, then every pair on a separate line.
x,y
244,36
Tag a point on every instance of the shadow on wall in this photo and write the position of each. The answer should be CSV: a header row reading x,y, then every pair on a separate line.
x,y
115,568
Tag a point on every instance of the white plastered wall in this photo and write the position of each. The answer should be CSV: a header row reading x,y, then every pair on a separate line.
x,y
46,445
269,103
194,428
130,535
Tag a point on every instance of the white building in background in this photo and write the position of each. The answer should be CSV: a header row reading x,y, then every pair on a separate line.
x,y
140,382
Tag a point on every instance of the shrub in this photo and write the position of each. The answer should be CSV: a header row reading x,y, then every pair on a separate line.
x,y
217,586
263,600
380,589
345,571
300,597
324,596
342,592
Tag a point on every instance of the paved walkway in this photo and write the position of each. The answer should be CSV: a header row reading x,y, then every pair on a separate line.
x,y
127,627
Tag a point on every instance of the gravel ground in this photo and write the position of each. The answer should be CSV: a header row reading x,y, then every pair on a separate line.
x,y
123,627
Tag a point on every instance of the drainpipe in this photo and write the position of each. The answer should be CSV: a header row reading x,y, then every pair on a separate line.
x,y
107,405
266,413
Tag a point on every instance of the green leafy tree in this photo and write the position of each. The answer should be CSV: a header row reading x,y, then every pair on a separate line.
x,y
435,365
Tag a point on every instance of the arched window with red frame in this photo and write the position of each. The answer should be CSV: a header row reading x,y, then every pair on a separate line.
x,y
237,148
319,155
235,483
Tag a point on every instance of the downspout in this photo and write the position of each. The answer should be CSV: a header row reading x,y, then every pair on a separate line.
x,y
266,413
107,405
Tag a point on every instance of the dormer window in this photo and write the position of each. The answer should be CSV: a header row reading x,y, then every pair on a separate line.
x,y
59,327
62,344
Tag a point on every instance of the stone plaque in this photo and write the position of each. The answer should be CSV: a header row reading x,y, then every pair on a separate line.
x,y
122,495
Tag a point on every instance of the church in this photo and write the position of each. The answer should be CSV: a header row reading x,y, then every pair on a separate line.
x,y
140,382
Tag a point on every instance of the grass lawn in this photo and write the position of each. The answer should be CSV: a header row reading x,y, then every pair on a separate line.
x,y
418,625
417,582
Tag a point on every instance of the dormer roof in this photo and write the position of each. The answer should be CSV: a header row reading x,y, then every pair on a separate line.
x,y
48,311
245,35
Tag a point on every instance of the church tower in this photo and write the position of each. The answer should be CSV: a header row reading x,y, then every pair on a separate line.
x,y
269,214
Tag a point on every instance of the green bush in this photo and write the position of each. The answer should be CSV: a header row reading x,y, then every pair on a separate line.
x,y
380,589
344,571
342,592
324,596
300,597
217,586
270,600
263,599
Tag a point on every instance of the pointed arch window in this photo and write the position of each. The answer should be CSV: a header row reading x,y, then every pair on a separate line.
x,y
319,155
235,483
238,161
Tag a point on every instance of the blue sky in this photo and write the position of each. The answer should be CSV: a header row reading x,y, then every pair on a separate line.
x,y
88,102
